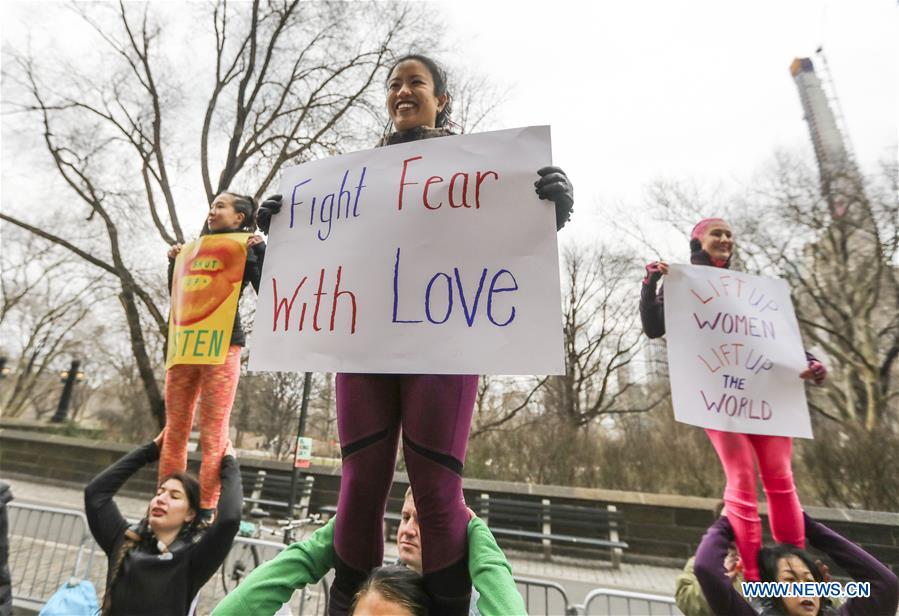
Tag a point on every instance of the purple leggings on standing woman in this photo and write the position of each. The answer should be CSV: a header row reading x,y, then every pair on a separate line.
x,y
433,412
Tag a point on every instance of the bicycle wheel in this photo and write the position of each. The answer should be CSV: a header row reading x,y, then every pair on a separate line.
x,y
241,559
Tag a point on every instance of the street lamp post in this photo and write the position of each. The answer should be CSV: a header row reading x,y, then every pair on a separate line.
x,y
69,377
301,429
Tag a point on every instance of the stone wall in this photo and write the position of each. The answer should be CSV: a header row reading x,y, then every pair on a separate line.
x,y
659,528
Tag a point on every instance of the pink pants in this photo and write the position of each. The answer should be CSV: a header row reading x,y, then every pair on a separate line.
x,y
738,454
215,387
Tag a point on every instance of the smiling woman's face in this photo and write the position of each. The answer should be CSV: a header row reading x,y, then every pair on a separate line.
x,y
411,101
718,240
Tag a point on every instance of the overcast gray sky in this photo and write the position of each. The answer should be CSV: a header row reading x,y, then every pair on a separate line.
x,y
640,90
697,89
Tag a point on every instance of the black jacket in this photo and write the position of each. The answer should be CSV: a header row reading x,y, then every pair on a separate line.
x,y
150,582
652,300
251,274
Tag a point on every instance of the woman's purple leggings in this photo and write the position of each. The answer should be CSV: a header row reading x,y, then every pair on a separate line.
x,y
434,414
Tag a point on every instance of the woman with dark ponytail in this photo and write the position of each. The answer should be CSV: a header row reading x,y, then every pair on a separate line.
x,y
210,387
159,565
433,412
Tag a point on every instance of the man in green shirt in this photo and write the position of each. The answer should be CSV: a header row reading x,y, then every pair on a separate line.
x,y
272,584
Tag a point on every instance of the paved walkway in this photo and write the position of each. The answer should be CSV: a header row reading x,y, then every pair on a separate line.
x,y
577,576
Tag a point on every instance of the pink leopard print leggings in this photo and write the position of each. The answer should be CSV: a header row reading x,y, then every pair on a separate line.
x,y
215,386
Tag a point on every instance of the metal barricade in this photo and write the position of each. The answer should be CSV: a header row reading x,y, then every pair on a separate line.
x,y
543,597
48,546
606,601
310,601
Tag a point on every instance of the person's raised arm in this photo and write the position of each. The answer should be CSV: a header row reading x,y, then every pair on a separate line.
x,y
270,207
103,516
273,583
652,308
816,372
861,566
709,570
214,544
170,272
255,259
491,573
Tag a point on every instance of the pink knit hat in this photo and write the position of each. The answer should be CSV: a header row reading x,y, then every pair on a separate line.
x,y
702,225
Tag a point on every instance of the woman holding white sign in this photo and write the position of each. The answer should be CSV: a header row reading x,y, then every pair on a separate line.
x,y
712,244
433,411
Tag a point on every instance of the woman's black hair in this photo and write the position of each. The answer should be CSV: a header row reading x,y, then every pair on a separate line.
x,y
440,87
243,204
769,557
398,584
192,491
132,539
695,245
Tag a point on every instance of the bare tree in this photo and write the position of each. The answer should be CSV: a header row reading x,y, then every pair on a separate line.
x,y
501,400
842,270
43,318
276,400
601,337
475,100
844,278
268,405
291,81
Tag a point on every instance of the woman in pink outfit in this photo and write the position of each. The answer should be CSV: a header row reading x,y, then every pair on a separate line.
x,y
712,244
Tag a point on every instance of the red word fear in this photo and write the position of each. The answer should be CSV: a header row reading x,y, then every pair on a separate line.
x,y
458,191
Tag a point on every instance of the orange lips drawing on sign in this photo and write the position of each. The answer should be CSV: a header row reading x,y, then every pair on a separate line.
x,y
205,291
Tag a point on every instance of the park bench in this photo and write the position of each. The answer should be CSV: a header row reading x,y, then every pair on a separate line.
x,y
544,521
390,518
267,494
555,523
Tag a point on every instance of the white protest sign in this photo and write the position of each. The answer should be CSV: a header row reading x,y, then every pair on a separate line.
x,y
434,256
734,352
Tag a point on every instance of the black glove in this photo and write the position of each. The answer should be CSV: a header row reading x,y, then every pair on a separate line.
x,y
555,186
269,207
